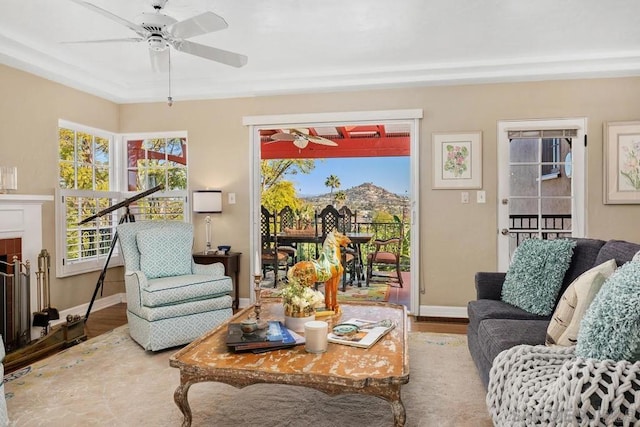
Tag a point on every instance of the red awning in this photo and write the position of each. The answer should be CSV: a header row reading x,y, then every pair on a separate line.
x,y
352,141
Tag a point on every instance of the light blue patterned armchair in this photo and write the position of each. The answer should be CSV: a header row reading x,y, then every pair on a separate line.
x,y
4,418
170,299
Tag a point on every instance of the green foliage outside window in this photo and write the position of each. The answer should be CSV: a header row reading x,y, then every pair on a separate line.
x,y
84,164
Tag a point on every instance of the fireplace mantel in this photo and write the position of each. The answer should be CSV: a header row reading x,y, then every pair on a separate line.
x,y
24,198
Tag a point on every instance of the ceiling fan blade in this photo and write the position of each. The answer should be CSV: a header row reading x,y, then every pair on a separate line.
x,y
321,140
135,27
128,39
281,136
304,133
204,23
159,60
208,52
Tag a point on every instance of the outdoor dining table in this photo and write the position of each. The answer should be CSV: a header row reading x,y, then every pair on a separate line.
x,y
357,239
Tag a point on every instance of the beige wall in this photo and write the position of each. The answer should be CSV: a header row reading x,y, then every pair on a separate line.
x,y
29,111
456,240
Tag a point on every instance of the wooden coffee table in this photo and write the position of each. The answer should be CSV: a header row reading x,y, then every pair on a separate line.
x,y
378,371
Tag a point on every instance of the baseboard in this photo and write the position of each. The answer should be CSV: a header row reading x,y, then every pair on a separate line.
x,y
443,311
98,304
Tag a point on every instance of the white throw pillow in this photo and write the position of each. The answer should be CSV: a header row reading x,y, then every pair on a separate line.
x,y
565,322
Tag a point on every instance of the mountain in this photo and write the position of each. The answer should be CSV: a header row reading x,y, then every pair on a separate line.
x,y
365,198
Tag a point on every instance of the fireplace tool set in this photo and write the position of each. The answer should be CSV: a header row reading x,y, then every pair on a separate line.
x,y
47,313
68,334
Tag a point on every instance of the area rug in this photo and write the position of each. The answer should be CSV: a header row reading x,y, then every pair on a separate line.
x,y
111,381
375,292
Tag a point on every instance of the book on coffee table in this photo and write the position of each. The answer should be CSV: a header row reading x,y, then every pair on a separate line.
x,y
364,335
235,336
275,335
299,339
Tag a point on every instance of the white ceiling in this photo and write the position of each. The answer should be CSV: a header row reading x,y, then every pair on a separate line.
x,y
301,46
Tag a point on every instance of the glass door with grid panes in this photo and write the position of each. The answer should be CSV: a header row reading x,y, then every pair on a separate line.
x,y
541,182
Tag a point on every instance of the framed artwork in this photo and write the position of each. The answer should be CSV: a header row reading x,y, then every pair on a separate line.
x,y
621,162
457,160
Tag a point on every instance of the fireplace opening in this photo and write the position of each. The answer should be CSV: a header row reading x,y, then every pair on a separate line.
x,y
3,291
9,248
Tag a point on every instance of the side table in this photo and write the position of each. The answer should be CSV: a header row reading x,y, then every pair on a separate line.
x,y
231,262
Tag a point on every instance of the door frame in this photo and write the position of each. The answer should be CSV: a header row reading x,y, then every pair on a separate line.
x,y
412,117
578,177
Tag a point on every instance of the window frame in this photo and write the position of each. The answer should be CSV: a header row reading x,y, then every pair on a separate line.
x,y
118,191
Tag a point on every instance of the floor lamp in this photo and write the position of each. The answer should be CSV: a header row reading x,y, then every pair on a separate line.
x,y
207,202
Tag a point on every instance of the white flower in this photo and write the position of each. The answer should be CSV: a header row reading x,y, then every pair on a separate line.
x,y
300,299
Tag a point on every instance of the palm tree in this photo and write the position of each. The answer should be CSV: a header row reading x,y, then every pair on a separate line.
x,y
332,182
340,197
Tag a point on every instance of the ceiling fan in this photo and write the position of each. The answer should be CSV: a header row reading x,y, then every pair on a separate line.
x,y
161,31
301,138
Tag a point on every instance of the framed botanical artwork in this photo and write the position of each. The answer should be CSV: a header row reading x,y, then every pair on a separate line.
x,y
457,160
621,162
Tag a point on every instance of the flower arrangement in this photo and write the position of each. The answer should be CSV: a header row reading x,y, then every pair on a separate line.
x,y
300,300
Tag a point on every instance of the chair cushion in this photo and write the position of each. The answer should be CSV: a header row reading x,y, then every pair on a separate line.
x,y
497,335
282,256
383,257
565,322
535,275
610,329
179,289
164,252
483,309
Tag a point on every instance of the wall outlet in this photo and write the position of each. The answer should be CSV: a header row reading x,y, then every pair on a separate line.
x,y
232,198
464,197
481,196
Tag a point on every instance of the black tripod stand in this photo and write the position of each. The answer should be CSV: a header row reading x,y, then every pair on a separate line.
x,y
127,217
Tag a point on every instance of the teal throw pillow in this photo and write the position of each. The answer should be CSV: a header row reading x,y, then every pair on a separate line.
x,y
535,275
611,327
165,252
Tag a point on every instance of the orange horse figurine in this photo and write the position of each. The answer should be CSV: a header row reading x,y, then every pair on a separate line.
x,y
327,268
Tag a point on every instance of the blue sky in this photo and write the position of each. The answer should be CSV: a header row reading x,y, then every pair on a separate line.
x,y
390,173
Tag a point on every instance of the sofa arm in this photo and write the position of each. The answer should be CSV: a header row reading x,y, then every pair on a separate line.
x,y
134,281
489,285
215,270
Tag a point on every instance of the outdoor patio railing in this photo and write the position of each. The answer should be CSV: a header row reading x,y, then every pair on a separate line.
x,y
549,226
522,227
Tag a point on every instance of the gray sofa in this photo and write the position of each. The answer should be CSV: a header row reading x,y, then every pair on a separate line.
x,y
495,326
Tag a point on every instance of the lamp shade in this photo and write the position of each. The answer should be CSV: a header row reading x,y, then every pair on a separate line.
x,y
207,201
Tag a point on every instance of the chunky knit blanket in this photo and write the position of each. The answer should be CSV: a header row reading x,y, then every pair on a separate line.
x,y
550,386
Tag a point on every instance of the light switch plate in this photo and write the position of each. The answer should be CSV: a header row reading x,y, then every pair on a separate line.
x,y
232,198
481,196
464,197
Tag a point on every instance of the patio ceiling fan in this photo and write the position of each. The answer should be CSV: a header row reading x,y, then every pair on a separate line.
x,y
161,32
301,138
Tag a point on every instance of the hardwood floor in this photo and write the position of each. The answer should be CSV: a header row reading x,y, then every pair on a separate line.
x,y
104,320
111,317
